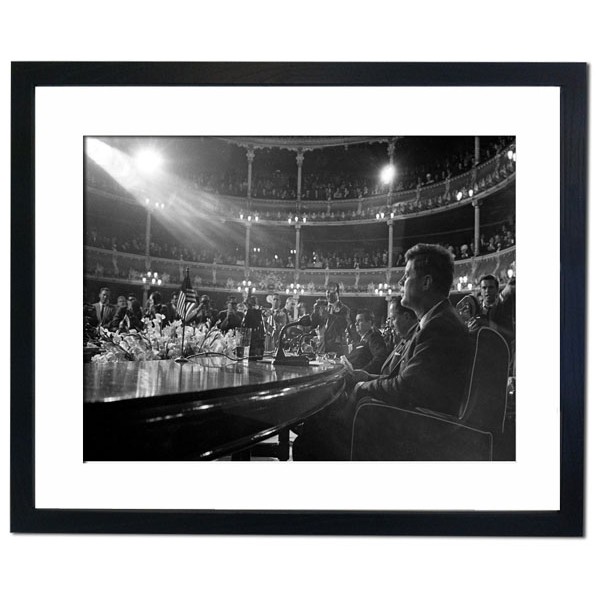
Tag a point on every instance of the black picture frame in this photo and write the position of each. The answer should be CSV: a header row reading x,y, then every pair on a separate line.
x,y
571,78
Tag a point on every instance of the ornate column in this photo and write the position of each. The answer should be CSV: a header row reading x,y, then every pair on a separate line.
x,y
390,243
477,234
148,228
299,161
477,150
247,255
297,265
390,150
250,158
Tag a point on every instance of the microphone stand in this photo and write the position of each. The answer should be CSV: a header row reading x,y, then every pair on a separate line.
x,y
280,357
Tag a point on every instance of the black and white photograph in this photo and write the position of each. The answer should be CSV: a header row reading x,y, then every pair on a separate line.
x,y
289,298
248,198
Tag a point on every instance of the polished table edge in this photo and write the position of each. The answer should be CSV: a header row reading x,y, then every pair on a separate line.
x,y
191,407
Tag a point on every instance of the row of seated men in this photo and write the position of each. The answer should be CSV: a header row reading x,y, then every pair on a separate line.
x,y
428,369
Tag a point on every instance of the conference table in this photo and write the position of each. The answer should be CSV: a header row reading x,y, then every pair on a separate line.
x,y
207,408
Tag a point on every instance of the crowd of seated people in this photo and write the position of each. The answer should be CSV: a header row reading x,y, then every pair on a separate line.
x,y
437,198
359,212
503,237
339,186
136,244
323,186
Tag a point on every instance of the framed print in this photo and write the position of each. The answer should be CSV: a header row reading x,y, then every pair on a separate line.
x,y
270,188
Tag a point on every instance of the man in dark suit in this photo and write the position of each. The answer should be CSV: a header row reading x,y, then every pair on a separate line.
x,y
332,323
430,370
403,321
498,307
105,311
368,349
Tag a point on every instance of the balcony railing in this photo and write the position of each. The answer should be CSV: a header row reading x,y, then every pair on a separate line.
x,y
483,180
107,265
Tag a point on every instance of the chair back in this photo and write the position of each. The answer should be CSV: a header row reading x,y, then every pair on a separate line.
x,y
486,395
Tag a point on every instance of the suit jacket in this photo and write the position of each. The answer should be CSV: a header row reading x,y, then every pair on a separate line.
x,y
133,321
229,320
109,313
369,353
334,334
431,370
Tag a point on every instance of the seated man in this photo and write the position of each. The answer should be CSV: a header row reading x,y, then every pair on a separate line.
x,y
429,371
369,350
403,321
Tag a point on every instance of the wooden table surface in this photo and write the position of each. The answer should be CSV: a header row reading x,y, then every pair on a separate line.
x,y
204,409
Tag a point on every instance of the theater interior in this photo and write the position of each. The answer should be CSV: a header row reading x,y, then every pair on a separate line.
x,y
186,234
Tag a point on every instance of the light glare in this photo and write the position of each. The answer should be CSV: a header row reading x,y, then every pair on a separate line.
x,y
148,160
387,174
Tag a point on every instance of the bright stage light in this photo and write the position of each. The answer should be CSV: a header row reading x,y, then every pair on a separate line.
x,y
148,160
387,174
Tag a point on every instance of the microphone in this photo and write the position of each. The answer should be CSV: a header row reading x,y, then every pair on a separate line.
x,y
280,357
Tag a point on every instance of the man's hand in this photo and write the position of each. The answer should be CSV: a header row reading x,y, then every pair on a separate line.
x,y
357,376
361,375
358,392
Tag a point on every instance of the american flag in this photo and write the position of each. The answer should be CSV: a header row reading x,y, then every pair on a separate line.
x,y
187,297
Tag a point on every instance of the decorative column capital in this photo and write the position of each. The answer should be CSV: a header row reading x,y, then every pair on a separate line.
x,y
250,154
476,203
299,157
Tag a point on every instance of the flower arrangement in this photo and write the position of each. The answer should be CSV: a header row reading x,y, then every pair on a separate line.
x,y
159,342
